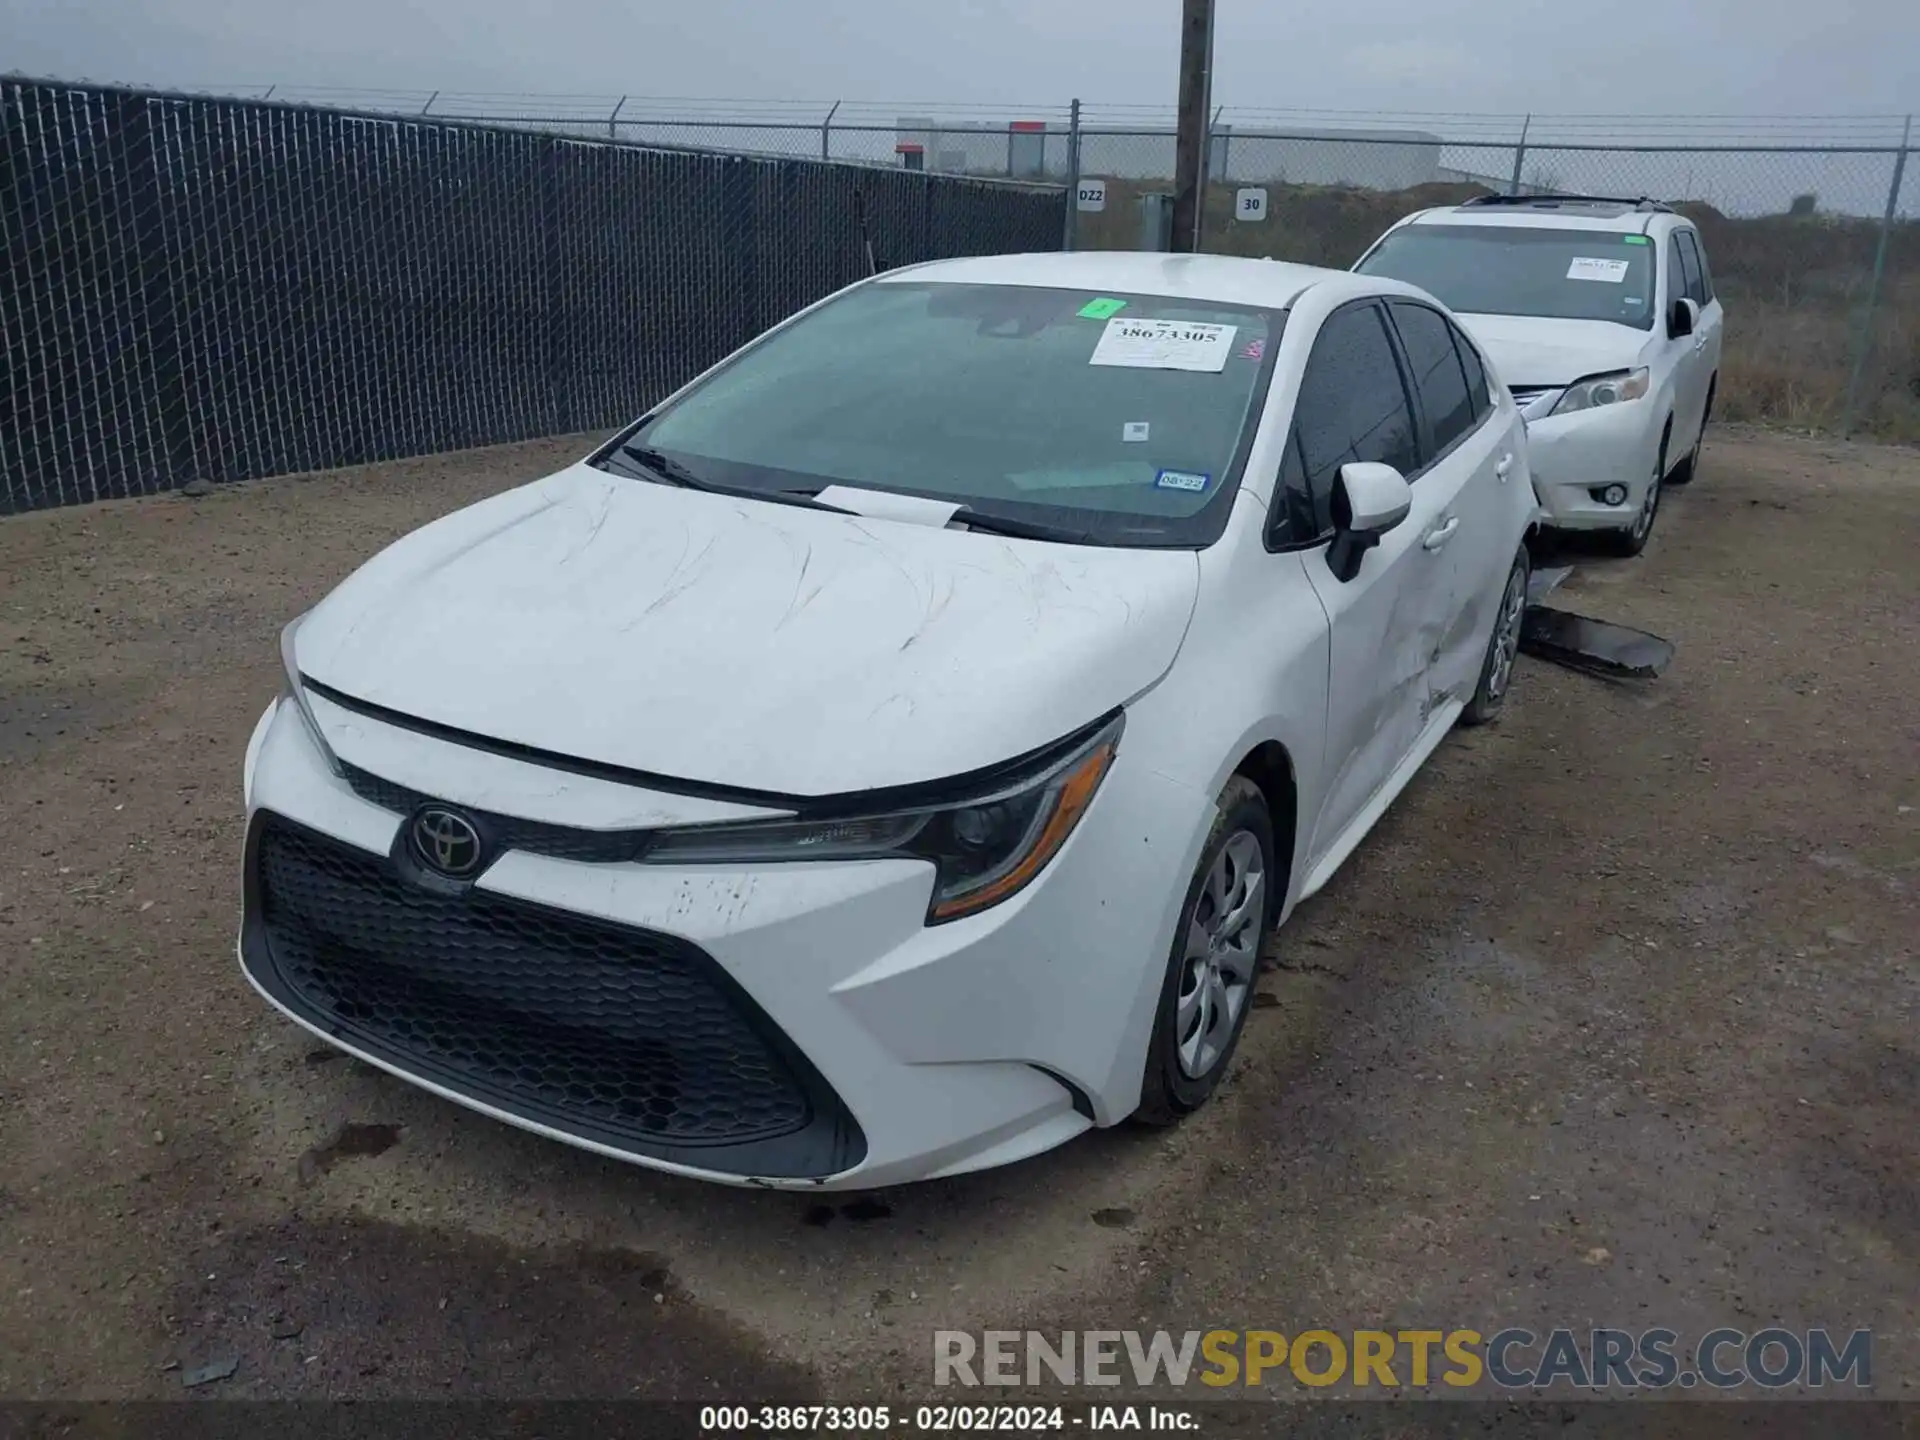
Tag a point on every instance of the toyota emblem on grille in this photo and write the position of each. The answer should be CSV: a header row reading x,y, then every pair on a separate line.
x,y
446,840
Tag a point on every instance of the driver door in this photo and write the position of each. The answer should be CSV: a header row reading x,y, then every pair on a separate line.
x,y
1383,622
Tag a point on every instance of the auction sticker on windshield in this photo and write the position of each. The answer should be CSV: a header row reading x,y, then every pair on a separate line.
x,y
1586,267
1164,345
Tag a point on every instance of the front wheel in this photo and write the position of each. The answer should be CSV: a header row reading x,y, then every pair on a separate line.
x,y
1687,469
1503,647
1633,539
1216,958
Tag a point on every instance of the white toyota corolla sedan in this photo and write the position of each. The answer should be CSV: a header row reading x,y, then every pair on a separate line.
x,y
884,759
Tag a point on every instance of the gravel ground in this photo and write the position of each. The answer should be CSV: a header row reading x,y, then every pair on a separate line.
x,y
1612,1020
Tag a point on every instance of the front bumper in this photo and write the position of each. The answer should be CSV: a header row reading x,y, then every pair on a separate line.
x,y
1574,455
792,1025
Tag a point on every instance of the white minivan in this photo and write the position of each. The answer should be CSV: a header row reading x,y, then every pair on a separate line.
x,y
1600,315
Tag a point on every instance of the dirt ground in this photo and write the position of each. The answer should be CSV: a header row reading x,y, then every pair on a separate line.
x,y
1612,1020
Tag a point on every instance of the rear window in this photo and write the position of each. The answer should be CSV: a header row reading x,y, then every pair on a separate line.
x,y
1122,415
1523,270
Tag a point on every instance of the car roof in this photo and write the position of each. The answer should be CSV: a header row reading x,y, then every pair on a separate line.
x,y
1618,217
1230,278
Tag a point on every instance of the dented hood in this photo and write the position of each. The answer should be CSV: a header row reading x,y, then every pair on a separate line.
x,y
1533,352
745,643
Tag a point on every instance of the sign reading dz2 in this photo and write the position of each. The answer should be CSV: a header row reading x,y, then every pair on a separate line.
x,y
1091,195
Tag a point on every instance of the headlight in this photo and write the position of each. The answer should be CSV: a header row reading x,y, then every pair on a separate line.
x,y
983,849
292,688
1597,390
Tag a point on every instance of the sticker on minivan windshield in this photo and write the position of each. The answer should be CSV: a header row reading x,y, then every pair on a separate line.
x,y
1588,267
1105,308
1189,480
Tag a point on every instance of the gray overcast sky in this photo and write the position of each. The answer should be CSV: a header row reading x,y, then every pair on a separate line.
x,y
1749,57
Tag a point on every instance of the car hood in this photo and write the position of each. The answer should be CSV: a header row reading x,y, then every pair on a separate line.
x,y
1532,353
745,643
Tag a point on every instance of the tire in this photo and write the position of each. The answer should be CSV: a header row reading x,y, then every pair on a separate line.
x,y
1687,469
1191,1046
1631,540
1503,647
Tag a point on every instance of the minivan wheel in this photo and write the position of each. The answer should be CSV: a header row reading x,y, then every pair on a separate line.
x,y
1633,539
1503,647
1208,988
1687,469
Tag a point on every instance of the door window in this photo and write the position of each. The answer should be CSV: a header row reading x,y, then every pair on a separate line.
x,y
1300,514
1438,378
1352,406
1686,275
1476,374
1694,256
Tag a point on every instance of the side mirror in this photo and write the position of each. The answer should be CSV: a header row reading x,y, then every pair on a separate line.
x,y
1684,320
1369,499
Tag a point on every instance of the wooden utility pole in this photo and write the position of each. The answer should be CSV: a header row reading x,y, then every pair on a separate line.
x,y
1196,94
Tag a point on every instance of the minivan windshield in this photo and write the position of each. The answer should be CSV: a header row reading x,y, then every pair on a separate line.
x,y
1524,270
1113,418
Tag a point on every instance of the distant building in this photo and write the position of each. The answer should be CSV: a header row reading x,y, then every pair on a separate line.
x,y
1025,149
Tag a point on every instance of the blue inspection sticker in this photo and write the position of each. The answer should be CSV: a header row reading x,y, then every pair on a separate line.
x,y
1191,480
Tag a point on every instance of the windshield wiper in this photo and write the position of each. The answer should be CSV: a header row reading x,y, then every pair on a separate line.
x,y
1020,529
664,468
672,472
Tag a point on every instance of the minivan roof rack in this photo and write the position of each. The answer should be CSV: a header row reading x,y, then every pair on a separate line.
x,y
1553,201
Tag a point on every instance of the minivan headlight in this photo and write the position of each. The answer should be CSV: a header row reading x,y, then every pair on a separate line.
x,y
1598,390
984,849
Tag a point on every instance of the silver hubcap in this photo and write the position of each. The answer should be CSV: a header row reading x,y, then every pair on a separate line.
x,y
1222,949
1506,635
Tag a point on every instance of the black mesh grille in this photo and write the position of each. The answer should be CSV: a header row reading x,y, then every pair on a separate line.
x,y
507,832
603,1032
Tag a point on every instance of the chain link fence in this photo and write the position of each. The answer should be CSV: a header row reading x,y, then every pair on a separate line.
x,y
201,288
1813,244
218,288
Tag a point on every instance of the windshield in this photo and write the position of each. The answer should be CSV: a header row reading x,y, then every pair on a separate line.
x,y
1516,270
1116,419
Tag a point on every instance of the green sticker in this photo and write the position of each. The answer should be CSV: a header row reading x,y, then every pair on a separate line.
x,y
1102,309
1636,239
